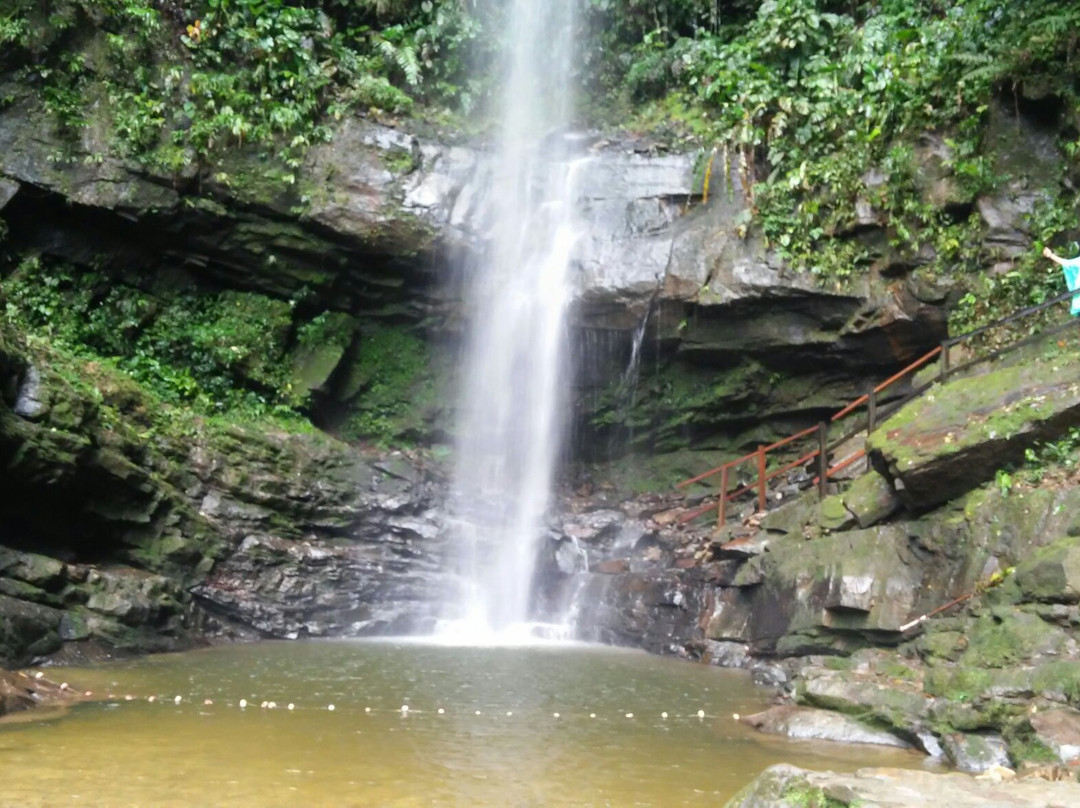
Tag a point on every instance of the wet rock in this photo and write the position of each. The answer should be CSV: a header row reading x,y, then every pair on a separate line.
x,y
614,566
29,402
806,723
769,675
1059,730
570,558
657,611
592,526
726,654
975,753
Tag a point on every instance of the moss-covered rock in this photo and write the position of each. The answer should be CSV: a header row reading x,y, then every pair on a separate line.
x,y
871,499
1052,575
956,436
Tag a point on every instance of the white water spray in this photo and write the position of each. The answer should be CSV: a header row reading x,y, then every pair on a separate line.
x,y
510,423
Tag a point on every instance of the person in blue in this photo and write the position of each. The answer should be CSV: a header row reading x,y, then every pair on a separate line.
x,y
1071,268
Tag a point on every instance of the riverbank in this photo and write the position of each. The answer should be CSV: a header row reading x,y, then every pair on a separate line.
x,y
786,786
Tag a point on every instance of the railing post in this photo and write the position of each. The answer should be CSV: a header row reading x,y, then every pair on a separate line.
x,y
871,407
944,367
762,482
723,498
823,457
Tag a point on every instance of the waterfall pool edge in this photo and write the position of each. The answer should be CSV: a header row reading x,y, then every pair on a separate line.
x,y
412,724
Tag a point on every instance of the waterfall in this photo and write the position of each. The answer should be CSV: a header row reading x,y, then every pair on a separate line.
x,y
515,376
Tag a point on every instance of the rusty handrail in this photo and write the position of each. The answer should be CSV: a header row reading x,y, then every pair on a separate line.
x,y
871,400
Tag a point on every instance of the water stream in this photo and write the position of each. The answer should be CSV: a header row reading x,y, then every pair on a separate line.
x,y
515,369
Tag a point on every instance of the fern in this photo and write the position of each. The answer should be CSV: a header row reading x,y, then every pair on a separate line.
x,y
403,57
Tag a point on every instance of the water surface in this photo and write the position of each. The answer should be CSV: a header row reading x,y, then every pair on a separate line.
x,y
367,752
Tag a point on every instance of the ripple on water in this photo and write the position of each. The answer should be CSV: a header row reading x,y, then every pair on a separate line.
x,y
402,723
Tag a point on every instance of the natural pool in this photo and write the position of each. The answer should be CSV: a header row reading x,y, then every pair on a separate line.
x,y
497,742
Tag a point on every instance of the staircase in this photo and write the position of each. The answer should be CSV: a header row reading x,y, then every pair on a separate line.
x,y
829,456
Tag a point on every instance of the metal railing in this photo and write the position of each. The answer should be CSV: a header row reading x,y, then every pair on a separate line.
x,y
875,414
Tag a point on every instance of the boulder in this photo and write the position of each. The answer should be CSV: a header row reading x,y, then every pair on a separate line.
x,y
903,706
871,499
1052,575
975,753
806,723
833,515
1059,730
958,435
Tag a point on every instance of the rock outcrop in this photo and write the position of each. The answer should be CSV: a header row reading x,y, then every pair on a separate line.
x,y
954,438
141,528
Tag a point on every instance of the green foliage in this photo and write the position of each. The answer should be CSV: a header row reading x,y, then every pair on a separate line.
x,y
394,377
817,100
1032,280
1004,482
182,86
216,353
1059,457
801,794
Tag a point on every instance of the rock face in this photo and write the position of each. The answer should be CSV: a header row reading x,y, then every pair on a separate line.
x,y
170,533
381,225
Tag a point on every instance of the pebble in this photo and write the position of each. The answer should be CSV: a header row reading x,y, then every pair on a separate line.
x,y
39,675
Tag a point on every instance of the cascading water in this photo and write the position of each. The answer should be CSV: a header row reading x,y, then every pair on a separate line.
x,y
510,419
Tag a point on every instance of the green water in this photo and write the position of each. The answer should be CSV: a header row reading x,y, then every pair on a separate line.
x,y
366,752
